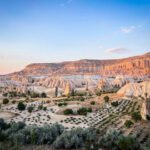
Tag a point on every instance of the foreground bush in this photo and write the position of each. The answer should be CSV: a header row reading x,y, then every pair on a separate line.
x,y
19,135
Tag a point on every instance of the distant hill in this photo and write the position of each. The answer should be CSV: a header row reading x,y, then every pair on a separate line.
x,y
132,66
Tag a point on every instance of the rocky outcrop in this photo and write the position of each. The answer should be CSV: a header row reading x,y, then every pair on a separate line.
x,y
145,110
136,89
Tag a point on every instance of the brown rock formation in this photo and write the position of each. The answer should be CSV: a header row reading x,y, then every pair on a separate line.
x,y
133,66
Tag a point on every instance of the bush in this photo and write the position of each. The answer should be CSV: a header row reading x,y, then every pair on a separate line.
x,y
128,123
44,108
68,111
21,106
106,99
93,103
84,111
30,109
43,95
5,101
147,117
115,104
136,116
114,140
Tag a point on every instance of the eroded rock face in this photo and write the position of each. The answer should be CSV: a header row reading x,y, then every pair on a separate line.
x,y
145,110
136,89
133,66
79,73
109,83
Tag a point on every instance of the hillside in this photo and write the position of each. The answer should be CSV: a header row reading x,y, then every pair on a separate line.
x,y
132,66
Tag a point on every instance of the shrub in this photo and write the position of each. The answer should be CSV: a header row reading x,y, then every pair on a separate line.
x,y
128,123
106,99
84,111
5,101
30,109
93,103
21,106
147,117
40,107
68,111
115,104
43,95
136,116
44,108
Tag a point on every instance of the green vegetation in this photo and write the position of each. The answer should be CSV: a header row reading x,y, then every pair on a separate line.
x,y
55,137
92,103
83,111
5,101
43,95
128,123
147,117
30,109
115,104
106,99
21,106
62,104
136,116
68,111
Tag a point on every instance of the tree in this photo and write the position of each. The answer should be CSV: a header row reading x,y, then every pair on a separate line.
x,y
68,111
44,108
147,117
115,104
93,103
106,99
128,123
128,143
136,116
72,93
40,107
30,109
56,91
21,106
5,101
43,95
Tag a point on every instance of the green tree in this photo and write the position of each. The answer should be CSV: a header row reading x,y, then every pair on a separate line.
x,y
136,116
43,95
128,123
30,109
21,106
106,99
68,111
5,101
93,103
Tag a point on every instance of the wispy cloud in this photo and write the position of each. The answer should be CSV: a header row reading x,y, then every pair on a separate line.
x,y
117,50
129,29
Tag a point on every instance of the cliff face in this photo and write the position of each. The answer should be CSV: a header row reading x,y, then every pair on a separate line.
x,y
133,66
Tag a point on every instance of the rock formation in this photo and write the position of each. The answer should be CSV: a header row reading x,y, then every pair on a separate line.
x,y
132,66
136,89
145,110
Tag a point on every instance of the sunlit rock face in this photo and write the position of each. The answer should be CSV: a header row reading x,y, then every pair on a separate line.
x,y
133,66
95,73
68,88
145,110
109,83
136,89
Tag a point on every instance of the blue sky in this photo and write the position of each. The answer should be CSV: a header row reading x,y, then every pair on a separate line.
x,y
57,30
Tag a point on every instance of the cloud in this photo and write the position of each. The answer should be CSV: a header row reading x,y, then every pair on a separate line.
x,y
129,29
117,50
